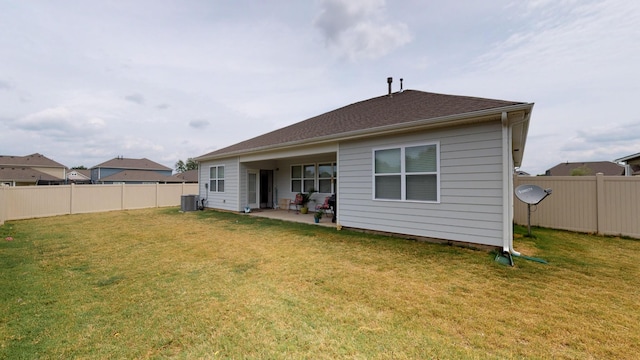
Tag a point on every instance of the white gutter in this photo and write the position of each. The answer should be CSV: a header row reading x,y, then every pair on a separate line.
x,y
239,205
507,181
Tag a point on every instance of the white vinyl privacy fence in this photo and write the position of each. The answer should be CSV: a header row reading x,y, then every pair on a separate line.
x,y
25,202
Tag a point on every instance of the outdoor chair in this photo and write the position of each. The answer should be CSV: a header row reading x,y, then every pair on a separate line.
x,y
324,206
297,202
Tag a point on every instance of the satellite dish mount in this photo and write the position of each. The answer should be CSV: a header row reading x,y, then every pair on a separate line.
x,y
531,195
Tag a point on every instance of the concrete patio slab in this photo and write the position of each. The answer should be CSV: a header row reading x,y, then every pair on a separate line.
x,y
292,216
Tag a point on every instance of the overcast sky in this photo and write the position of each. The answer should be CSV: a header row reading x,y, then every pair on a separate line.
x,y
82,82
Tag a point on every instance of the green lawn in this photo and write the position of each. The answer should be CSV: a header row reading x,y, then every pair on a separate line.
x,y
162,284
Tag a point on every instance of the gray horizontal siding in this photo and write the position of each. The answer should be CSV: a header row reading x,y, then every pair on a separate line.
x,y
227,200
438,227
470,209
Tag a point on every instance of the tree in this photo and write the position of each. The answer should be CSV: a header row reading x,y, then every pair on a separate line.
x,y
81,167
180,167
190,165
581,171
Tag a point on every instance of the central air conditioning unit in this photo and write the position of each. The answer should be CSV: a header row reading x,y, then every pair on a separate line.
x,y
189,203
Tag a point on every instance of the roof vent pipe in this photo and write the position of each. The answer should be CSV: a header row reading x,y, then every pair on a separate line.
x,y
401,84
389,81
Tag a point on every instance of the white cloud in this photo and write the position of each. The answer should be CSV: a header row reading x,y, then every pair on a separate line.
x,y
139,145
576,61
5,85
584,41
611,132
135,98
199,124
337,16
59,123
604,142
359,29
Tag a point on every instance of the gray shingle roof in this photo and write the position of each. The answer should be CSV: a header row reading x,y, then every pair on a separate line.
x,y
29,160
187,176
125,163
605,167
378,112
139,175
25,174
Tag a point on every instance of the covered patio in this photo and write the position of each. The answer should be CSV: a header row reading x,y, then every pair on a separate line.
x,y
292,216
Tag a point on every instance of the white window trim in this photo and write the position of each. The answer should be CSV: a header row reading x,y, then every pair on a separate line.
x,y
216,179
333,177
302,178
316,177
403,174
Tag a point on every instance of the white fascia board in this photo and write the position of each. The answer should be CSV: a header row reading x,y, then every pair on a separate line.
x,y
627,158
290,151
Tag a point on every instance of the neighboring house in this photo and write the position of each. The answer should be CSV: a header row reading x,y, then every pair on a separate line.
x,y
411,162
79,176
189,176
585,168
34,169
631,164
131,171
21,176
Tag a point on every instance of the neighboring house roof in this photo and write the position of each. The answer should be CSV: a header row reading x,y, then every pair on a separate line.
x,y
78,174
633,161
29,160
24,174
605,167
187,176
139,175
125,163
628,158
84,172
401,109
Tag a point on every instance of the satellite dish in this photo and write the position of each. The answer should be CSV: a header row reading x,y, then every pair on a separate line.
x,y
531,195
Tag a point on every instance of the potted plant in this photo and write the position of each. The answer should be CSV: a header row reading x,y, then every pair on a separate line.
x,y
318,215
304,201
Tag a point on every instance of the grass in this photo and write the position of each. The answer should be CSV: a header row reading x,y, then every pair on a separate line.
x,y
162,284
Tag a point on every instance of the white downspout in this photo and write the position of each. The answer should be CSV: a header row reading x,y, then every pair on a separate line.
x,y
507,180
